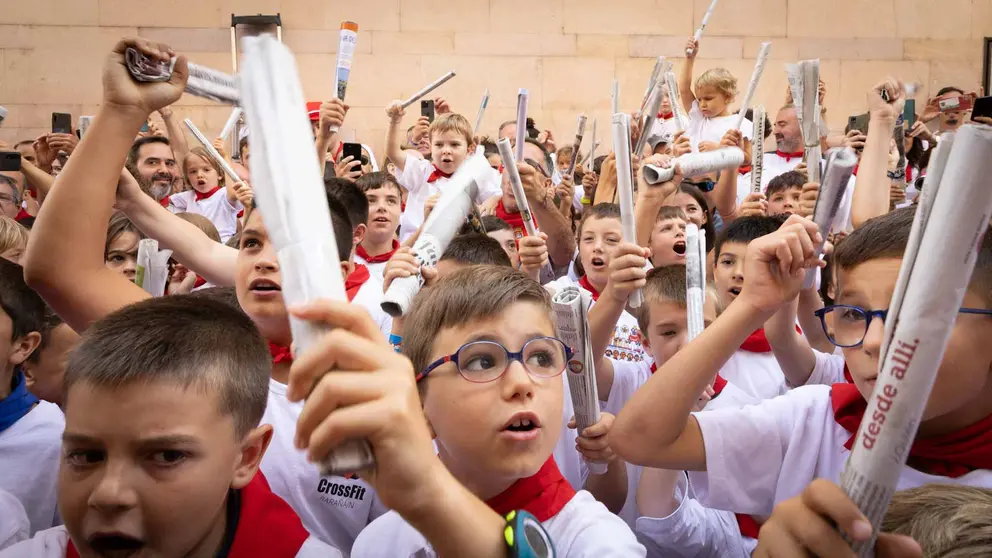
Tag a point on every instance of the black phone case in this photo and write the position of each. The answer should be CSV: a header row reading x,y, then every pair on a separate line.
x,y
352,150
61,123
10,161
983,107
427,109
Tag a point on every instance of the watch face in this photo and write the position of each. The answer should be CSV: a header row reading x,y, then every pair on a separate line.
x,y
537,540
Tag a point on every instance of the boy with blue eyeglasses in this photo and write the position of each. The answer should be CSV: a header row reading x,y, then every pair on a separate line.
x,y
748,460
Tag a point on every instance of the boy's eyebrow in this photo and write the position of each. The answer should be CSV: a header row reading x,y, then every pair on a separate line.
x,y
81,439
165,440
250,231
495,338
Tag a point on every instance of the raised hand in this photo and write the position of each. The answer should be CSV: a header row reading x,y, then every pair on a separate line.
x,y
123,93
775,265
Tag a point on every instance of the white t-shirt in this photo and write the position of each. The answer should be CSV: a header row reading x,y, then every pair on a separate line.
x,y
760,455
773,165
30,452
414,179
584,527
369,297
757,374
53,543
626,343
14,524
334,509
712,129
828,370
221,212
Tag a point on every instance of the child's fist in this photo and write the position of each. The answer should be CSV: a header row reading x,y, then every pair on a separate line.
x,y
754,204
533,253
244,193
691,48
593,442
775,265
681,144
807,199
395,111
429,204
808,524
405,264
627,271
332,114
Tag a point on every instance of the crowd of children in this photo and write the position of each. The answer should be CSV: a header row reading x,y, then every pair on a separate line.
x,y
133,425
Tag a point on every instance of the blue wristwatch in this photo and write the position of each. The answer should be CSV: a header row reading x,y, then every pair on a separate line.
x,y
526,537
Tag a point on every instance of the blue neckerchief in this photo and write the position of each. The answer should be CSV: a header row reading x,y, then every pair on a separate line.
x,y
17,404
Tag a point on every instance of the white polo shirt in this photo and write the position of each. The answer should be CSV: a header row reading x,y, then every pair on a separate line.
x,y
712,129
757,374
221,212
30,453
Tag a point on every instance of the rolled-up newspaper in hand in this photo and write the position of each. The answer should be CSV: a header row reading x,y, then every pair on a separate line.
x,y
647,124
482,112
702,25
203,82
591,160
580,130
615,97
231,121
804,82
757,148
347,40
675,98
440,227
513,174
521,124
152,267
839,167
695,267
434,85
290,193
210,150
932,283
571,305
625,187
695,164
759,68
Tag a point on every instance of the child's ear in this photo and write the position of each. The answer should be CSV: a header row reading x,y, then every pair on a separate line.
x,y
252,449
645,342
22,347
358,235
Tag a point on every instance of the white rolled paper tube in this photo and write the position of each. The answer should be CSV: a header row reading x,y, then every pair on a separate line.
x,y
695,164
702,25
482,112
625,187
513,174
654,105
840,166
440,227
591,161
675,96
84,124
210,149
231,121
934,290
695,290
437,83
757,148
580,130
615,97
655,76
521,136
759,68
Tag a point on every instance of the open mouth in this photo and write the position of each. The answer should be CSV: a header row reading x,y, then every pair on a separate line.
x,y
115,545
264,285
734,291
597,262
679,247
522,422
381,220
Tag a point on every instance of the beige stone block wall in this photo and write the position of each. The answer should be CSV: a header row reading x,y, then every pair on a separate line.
x,y
565,52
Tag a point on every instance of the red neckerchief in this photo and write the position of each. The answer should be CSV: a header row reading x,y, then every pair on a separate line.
x,y
438,173
744,170
267,526
164,202
951,455
758,343
200,281
748,525
515,219
718,384
22,214
855,172
355,280
665,115
543,495
847,374
909,172
200,196
790,156
280,353
381,258
585,284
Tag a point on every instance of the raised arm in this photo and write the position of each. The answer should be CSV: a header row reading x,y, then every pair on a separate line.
x,y
791,350
39,179
65,260
561,241
177,138
332,114
871,192
394,150
724,195
685,75
650,198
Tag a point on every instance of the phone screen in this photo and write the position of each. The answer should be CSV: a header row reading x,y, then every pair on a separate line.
x,y
983,107
427,109
10,161
909,113
353,150
61,123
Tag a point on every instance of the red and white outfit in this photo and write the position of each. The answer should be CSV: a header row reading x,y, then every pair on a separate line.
x,y
712,129
515,220
754,370
422,180
375,264
626,343
578,524
266,526
773,164
366,291
213,205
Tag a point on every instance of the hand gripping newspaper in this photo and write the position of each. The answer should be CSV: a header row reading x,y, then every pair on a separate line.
x,y
571,307
440,227
625,187
695,279
702,26
203,82
936,269
290,193
804,82
347,40
757,147
696,164
152,267
759,68
839,166
523,205
214,154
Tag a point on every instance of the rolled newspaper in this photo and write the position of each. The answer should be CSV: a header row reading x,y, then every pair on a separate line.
x,y
615,97
625,187
571,305
647,124
804,82
899,136
210,149
932,281
152,267
702,25
839,167
695,164
656,74
232,120
290,193
513,174
759,68
348,39
521,124
591,160
434,85
203,82
482,112
695,289
757,147
580,130
440,227
675,97
84,124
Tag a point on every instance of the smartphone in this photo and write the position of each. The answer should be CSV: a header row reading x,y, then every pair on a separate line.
x,y
909,114
61,123
859,123
353,150
955,104
10,161
427,109
983,107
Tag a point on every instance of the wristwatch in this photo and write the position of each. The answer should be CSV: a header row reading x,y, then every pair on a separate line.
x,y
526,537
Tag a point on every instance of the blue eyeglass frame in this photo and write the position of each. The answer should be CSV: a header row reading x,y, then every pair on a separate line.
x,y
510,357
872,314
